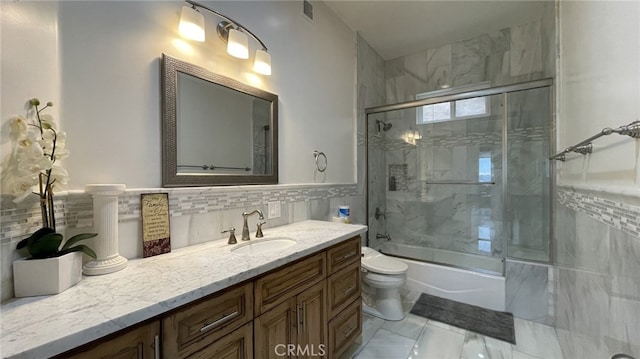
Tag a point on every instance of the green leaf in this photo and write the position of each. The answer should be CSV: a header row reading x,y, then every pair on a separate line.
x,y
34,237
80,248
46,246
77,238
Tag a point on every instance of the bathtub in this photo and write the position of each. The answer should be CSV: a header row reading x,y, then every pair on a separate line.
x,y
466,286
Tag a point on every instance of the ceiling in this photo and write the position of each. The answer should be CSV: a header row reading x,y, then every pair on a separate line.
x,y
399,27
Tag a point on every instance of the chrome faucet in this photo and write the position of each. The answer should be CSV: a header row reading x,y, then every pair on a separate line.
x,y
245,225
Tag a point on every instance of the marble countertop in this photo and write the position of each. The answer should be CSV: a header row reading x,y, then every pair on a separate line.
x,y
39,327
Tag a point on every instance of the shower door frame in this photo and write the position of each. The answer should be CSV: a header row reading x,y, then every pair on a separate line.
x,y
463,94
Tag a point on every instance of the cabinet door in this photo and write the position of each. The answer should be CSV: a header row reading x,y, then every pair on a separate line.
x,y
312,338
138,343
275,331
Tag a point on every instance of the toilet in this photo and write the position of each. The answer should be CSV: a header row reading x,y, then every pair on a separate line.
x,y
382,278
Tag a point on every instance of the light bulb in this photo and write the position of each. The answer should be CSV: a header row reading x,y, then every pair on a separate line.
x,y
262,63
238,45
191,24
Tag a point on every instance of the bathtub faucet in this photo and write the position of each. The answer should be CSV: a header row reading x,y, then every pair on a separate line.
x,y
380,235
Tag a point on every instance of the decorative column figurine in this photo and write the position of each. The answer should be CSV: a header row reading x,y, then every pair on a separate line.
x,y
105,223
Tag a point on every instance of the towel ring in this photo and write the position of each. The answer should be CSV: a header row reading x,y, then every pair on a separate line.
x,y
321,167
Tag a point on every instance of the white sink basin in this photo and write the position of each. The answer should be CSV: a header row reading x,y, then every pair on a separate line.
x,y
262,246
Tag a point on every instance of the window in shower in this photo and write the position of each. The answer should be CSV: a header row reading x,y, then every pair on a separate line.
x,y
452,110
484,168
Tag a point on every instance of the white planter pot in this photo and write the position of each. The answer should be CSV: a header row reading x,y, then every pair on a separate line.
x,y
33,277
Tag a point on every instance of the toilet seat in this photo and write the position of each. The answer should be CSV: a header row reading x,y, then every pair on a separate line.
x,y
377,262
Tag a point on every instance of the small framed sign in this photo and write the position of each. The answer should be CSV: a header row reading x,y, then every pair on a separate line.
x,y
156,234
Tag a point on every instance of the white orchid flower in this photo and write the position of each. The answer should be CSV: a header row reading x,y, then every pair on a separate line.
x,y
60,174
26,140
18,126
61,138
37,145
22,190
47,122
61,153
32,153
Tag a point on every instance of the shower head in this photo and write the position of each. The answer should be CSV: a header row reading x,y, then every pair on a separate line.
x,y
385,126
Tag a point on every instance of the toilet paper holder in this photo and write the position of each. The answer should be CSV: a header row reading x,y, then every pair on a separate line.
x,y
319,163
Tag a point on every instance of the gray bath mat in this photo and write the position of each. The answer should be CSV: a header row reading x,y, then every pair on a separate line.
x,y
483,321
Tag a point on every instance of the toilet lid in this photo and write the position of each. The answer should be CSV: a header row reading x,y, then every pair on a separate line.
x,y
384,265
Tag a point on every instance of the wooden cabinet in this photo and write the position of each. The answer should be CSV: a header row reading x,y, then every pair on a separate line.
x,y
190,329
307,314
344,306
310,308
297,327
140,342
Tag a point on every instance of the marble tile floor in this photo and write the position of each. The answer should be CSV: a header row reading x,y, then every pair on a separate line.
x,y
419,338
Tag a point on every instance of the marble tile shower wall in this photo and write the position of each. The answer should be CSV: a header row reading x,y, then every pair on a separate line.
x,y
516,54
597,287
370,80
197,215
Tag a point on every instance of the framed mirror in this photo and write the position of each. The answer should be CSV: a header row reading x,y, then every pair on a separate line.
x,y
215,130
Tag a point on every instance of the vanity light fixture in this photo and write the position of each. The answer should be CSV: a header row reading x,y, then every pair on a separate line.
x,y
230,31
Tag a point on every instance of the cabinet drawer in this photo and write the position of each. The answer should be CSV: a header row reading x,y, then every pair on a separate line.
x,y
343,254
237,345
344,287
196,326
275,287
345,328
135,343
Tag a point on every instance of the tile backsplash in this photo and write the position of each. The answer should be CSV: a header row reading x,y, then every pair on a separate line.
x,y
197,214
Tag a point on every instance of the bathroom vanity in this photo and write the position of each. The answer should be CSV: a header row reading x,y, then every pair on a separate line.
x,y
205,301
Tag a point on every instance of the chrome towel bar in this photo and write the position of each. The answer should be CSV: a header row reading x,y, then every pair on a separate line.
x,y
212,167
584,147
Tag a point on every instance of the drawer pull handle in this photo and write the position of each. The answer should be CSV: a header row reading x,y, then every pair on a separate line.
x,y
218,322
347,256
304,313
298,317
349,290
348,332
156,347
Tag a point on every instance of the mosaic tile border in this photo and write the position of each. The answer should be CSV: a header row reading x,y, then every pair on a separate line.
x,y
75,209
618,214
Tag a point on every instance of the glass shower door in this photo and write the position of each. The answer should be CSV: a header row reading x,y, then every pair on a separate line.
x,y
435,176
528,182
462,181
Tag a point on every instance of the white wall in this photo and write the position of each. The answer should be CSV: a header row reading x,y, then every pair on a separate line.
x,y
599,86
30,64
110,81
